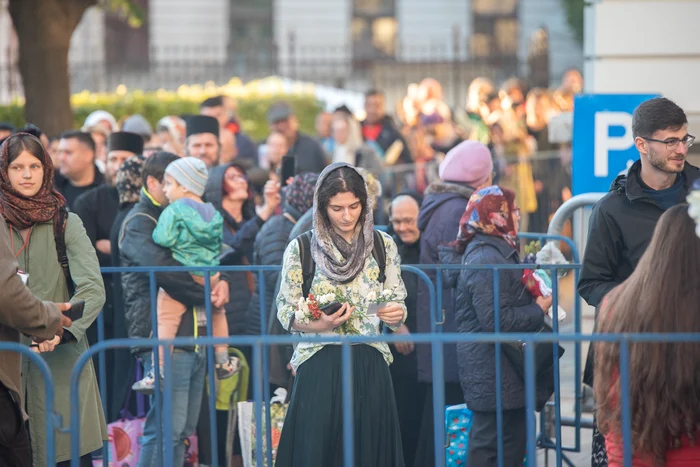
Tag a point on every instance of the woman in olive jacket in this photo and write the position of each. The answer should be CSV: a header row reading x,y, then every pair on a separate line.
x,y
37,219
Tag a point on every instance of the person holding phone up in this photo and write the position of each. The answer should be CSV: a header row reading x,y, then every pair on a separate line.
x,y
41,231
361,299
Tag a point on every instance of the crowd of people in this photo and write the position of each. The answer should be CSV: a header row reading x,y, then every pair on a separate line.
x,y
459,185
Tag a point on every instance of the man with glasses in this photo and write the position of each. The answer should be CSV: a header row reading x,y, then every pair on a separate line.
x,y
623,221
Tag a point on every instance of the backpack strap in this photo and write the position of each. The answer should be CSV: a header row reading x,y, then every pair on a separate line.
x,y
308,266
60,238
379,253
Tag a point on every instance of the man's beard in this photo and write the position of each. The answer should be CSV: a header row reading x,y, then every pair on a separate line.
x,y
661,163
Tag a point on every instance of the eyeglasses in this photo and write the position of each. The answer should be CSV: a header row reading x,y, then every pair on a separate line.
x,y
234,177
672,143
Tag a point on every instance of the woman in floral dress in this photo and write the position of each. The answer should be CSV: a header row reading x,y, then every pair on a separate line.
x,y
345,272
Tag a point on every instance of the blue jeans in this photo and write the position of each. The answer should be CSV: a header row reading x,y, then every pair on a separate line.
x,y
187,381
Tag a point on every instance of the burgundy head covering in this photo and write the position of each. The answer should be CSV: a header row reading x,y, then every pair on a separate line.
x,y
22,211
489,212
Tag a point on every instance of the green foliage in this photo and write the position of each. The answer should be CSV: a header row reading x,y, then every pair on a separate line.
x,y
127,10
533,248
574,16
153,106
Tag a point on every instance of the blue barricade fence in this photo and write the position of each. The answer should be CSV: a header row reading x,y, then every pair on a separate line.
x,y
52,419
261,386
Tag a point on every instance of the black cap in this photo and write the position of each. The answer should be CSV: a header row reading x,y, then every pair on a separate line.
x,y
197,124
279,111
7,126
125,141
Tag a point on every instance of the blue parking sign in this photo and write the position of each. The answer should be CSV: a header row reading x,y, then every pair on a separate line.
x,y
602,139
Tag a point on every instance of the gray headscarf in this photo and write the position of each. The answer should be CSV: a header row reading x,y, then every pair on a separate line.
x,y
324,238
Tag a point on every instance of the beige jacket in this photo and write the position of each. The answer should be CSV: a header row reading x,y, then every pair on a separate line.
x,y
20,311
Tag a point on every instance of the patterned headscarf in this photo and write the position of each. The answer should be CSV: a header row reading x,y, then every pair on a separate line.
x,y
490,211
300,193
325,238
21,211
129,181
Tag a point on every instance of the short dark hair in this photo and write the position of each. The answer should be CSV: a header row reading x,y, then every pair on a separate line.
x,y
32,130
156,164
374,92
657,114
341,180
217,101
82,137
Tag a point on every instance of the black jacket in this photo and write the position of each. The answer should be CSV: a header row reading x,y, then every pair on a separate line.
x,y
308,155
621,227
474,313
70,192
118,301
388,136
270,244
137,248
241,238
97,209
406,366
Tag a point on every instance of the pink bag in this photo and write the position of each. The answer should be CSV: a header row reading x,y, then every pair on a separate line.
x,y
124,437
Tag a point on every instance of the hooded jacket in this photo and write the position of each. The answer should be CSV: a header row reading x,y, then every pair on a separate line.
x,y
620,229
438,221
269,251
241,238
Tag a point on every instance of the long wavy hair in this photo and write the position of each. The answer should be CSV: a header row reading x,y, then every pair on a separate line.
x,y
661,296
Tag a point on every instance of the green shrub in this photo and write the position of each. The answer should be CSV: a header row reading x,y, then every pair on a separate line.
x,y
153,106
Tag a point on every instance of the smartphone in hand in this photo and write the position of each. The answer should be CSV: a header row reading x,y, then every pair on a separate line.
x,y
288,169
76,310
331,308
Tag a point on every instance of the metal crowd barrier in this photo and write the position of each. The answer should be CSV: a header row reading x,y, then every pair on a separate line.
x,y
53,420
260,375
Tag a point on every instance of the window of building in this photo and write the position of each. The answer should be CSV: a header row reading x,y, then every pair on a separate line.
x,y
494,7
495,26
373,29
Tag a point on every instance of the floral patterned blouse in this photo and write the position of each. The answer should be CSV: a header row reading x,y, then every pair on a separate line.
x,y
359,293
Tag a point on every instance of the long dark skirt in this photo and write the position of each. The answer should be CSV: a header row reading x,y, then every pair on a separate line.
x,y
313,429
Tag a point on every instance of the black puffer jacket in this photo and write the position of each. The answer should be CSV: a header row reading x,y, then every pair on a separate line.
x,y
270,244
242,239
474,312
137,248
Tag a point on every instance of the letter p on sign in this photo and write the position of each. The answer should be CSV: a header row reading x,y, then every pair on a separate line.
x,y
604,143
602,139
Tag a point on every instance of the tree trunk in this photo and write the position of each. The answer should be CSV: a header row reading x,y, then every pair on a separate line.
x,y
44,29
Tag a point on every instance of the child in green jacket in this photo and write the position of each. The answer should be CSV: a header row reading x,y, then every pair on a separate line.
x,y
193,230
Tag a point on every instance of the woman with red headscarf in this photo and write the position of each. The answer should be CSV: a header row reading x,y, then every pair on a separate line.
x,y
55,255
487,236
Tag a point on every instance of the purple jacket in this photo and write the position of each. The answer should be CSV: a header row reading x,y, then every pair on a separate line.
x,y
442,208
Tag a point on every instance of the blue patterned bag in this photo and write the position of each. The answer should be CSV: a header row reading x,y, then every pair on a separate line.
x,y
458,422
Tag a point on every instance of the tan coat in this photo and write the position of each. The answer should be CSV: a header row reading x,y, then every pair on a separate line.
x,y
20,311
47,281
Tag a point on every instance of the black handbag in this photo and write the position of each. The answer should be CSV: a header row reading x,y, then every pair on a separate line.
x,y
544,353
